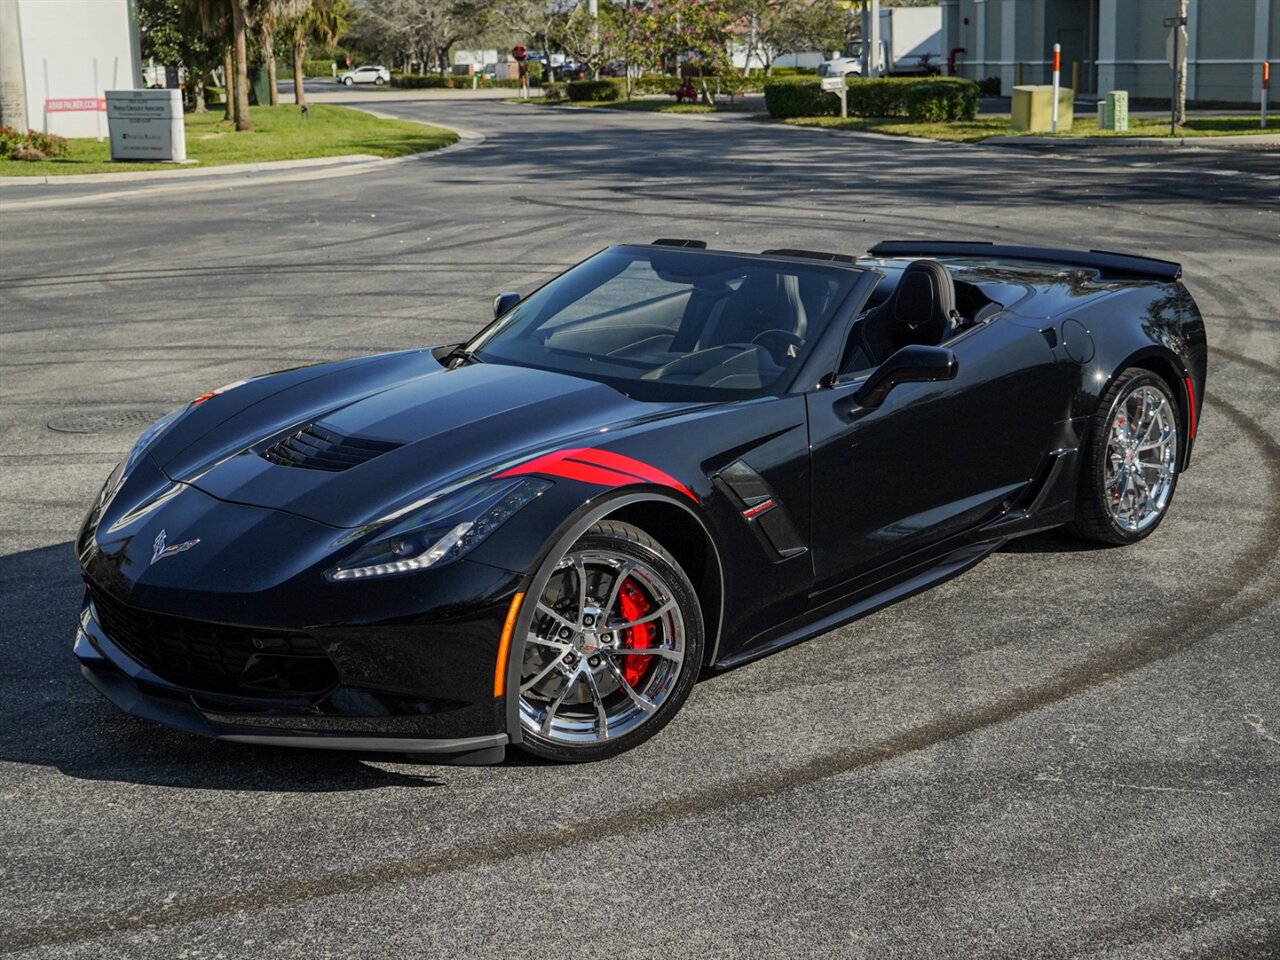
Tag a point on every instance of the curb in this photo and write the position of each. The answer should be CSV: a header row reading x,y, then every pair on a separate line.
x,y
186,173
231,175
1252,141
338,164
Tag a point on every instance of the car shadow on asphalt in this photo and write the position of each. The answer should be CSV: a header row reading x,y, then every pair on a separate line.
x,y
1051,541
50,716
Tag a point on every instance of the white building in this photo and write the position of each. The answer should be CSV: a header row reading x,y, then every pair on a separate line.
x,y
58,57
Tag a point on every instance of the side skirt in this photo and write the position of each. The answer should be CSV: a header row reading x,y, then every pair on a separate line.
x,y
868,600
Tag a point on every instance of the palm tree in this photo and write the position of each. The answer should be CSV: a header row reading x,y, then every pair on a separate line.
x,y
269,14
225,20
324,21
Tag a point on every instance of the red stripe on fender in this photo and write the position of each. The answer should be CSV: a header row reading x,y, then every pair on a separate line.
x,y
1191,409
599,467
637,468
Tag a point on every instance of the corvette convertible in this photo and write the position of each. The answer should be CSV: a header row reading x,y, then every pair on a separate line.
x,y
665,462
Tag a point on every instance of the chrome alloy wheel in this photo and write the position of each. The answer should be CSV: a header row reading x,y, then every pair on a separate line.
x,y
1141,458
604,651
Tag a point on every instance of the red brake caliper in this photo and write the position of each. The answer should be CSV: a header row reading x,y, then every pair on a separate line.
x,y
633,605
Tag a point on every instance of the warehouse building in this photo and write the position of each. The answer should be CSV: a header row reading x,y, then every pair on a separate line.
x,y
1118,44
58,57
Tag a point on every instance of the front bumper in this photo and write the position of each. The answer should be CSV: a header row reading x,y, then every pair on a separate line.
x,y
346,719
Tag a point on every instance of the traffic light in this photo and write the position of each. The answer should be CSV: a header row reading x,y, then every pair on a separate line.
x,y
519,53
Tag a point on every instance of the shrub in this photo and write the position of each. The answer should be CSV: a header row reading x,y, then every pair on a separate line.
x,y
793,71
214,95
656,84
418,81
553,91
596,91
49,144
798,97
318,68
878,97
936,102
990,87
32,145
10,140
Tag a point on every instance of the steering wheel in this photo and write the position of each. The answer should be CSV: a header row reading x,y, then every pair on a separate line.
x,y
777,341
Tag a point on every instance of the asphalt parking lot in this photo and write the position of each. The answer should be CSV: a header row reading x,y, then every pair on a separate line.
x,y
1065,752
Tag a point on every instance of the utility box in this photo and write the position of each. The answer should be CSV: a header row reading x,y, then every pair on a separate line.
x,y
1113,111
1033,108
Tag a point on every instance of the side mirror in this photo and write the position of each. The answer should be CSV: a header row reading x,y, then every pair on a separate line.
x,y
504,302
911,364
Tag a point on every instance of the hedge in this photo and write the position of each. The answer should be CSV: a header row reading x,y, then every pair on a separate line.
x,y
553,91
942,101
950,98
318,68
418,81
434,81
597,91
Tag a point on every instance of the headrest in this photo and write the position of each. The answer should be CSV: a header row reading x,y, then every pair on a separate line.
x,y
926,301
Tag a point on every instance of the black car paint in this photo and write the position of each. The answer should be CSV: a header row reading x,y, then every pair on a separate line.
x,y
889,499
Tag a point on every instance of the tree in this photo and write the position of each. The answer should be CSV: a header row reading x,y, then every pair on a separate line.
x,y
213,19
269,15
797,27
418,31
172,34
322,22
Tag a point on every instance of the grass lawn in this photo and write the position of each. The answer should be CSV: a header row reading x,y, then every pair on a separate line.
x,y
998,125
279,133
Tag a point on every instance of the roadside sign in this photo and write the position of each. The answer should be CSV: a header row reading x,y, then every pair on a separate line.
x,y
75,105
1169,48
146,125
833,84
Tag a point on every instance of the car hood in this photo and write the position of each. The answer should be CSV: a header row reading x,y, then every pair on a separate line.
x,y
441,426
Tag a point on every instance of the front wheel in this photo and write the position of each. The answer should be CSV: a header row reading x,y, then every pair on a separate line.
x,y
1130,467
613,649
347,81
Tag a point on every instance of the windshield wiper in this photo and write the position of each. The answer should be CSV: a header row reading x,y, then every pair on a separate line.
x,y
460,356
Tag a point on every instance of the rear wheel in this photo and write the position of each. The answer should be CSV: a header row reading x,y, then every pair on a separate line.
x,y
1130,467
613,649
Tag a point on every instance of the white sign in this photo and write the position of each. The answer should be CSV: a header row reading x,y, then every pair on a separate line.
x,y
146,125
833,83
1169,42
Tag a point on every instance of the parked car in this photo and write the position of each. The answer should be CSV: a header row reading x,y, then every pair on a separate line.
x,y
376,75
664,463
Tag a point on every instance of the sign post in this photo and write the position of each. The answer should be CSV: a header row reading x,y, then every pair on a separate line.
x,y
1173,47
1266,85
840,87
1057,85
146,125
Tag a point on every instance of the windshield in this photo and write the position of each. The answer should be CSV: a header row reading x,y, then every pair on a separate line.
x,y
672,324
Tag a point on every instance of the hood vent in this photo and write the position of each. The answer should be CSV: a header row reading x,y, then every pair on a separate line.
x,y
318,448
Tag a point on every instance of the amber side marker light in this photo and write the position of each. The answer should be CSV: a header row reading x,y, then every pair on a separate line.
x,y
504,646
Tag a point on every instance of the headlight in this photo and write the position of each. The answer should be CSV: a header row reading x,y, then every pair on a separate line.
x,y
442,530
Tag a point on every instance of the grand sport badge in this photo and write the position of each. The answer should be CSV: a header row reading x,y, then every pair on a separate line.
x,y
159,551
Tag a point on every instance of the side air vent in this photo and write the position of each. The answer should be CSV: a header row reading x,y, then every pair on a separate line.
x,y
318,448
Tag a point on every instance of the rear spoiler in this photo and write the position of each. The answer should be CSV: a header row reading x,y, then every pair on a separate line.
x,y
1109,265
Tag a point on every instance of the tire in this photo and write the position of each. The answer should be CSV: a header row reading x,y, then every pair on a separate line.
x,y
1127,479
348,82
583,694
379,81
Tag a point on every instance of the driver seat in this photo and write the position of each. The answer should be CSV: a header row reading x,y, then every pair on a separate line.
x,y
761,303
921,310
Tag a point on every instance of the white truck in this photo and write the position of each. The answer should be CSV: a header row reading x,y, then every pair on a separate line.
x,y
910,45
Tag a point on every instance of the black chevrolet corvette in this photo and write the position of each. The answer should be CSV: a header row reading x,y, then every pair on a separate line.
x,y
665,462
